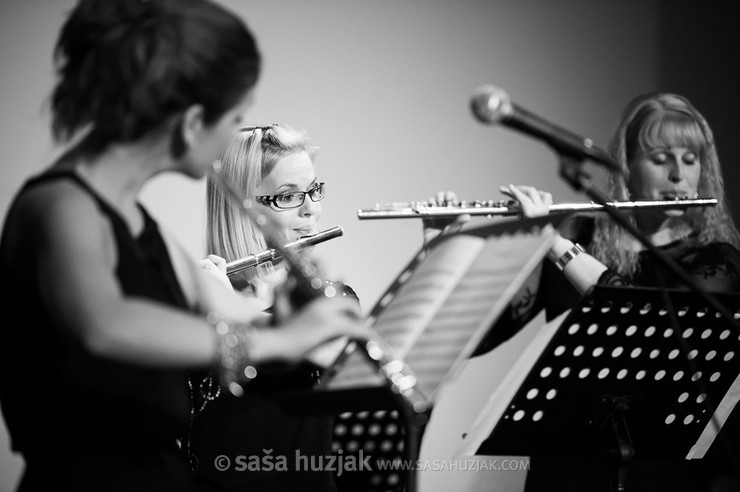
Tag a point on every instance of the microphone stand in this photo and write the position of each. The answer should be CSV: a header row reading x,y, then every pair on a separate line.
x,y
571,170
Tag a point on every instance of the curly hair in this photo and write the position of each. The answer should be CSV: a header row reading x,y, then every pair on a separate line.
x,y
649,121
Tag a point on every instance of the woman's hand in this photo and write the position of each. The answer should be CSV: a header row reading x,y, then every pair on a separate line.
x,y
216,266
533,202
321,320
433,227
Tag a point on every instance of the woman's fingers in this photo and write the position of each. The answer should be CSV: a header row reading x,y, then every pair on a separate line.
x,y
442,198
534,203
212,262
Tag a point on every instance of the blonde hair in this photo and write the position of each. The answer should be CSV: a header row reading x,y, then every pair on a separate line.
x,y
647,122
248,160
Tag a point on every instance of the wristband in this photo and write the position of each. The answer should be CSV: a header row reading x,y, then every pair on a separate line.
x,y
576,250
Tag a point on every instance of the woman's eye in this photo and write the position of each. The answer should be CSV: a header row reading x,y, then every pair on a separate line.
x,y
689,158
289,197
659,158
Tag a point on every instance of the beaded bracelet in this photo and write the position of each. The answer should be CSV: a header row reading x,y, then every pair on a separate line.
x,y
576,250
234,353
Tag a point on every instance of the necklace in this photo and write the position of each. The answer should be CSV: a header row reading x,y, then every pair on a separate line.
x,y
206,390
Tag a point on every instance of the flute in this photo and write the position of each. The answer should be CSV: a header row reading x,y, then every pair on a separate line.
x,y
271,254
397,373
490,208
308,284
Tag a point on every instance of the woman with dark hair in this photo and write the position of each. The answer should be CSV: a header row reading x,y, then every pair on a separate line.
x,y
104,314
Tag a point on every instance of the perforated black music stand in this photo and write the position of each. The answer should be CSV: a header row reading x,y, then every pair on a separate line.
x,y
429,321
616,373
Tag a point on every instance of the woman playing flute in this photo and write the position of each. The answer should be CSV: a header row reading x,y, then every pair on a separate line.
x,y
666,149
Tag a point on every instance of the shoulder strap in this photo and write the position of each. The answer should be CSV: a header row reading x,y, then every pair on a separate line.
x,y
71,175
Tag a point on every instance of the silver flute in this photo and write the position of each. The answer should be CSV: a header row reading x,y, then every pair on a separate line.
x,y
271,254
396,372
490,208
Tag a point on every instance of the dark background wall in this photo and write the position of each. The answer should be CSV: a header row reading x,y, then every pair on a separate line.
x,y
698,56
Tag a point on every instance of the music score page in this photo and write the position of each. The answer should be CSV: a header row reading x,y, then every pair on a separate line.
x,y
436,314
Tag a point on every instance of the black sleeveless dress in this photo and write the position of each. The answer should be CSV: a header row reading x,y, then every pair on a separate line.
x,y
78,420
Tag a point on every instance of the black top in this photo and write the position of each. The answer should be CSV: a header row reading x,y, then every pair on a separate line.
x,y
78,419
715,267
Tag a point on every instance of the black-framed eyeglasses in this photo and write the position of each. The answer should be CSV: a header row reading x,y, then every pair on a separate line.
x,y
294,199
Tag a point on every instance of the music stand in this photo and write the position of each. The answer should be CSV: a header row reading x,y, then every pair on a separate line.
x,y
430,320
435,313
613,377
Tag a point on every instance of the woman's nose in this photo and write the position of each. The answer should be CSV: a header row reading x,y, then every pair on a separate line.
x,y
677,173
310,207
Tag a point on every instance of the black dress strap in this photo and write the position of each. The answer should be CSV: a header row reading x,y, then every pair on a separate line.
x,y
73,176
148,247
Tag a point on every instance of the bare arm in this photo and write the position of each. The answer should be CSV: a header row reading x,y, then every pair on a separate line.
x,y
76,268
583,270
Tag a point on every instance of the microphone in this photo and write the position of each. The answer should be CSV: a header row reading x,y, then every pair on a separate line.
x,y
491,104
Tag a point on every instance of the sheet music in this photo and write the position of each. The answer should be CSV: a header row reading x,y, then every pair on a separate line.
x,y
408,310
472,308
418,302
440,314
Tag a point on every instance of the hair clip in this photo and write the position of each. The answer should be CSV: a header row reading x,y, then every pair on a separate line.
x,y
253,128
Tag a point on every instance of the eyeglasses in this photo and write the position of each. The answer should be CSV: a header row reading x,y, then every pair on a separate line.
x,y
294,199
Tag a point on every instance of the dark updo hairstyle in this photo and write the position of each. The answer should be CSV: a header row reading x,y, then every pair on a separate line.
x,y
126,67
